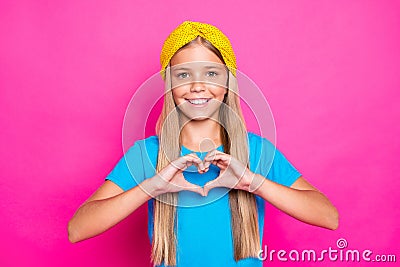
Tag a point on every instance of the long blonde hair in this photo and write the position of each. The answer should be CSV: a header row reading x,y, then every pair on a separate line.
x,y
244,219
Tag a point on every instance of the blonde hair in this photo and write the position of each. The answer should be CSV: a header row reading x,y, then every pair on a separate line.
x,y
244,219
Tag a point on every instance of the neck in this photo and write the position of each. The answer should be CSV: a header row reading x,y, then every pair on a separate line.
x,y
202,135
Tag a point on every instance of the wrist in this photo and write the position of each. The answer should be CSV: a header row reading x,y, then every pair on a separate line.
x,y
254,182
152,187
247,180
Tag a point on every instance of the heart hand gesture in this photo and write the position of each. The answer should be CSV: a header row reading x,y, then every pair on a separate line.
x,y
233,173
171,179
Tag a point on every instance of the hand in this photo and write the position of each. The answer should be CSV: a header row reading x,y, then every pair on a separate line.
x,y
233,173
170,179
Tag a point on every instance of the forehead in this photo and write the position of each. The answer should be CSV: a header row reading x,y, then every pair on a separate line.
x,y
194,53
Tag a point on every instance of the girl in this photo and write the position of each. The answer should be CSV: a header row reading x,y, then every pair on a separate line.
x,y
204,177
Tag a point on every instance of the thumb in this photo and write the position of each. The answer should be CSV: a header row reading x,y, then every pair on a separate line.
x,y
208,186
193,187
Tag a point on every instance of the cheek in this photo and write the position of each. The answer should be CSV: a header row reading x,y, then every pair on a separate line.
x,y
180,91
177,94
220,92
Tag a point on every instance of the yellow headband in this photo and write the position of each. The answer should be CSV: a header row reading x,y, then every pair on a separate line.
x,y
187,32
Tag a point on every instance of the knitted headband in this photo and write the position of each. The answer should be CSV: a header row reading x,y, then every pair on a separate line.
x,y
188,31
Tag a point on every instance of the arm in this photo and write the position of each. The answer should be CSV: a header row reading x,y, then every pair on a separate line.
x,y
301,201
93,216
110,204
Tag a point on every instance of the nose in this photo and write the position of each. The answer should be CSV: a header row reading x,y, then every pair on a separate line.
x,y
197,87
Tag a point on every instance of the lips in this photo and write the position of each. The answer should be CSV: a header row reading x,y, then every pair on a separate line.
x,y
198,101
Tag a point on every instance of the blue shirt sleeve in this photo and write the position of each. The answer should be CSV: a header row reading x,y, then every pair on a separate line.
x,y
280,170
128,172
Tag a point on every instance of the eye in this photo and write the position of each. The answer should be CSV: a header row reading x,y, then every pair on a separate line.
x,y
211,74
183,75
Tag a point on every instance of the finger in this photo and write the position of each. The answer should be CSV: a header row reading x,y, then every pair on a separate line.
x,y
182,163
206,188
193,159
192,187
204,170
205,191
211,158
207,164
222,157
220,165
210,155
210,185
215,152
179,163
201,166
199,190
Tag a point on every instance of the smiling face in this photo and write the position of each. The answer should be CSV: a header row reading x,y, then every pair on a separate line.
x,y
198,78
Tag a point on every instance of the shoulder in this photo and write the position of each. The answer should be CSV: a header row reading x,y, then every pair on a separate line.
x,y
153,139
149,151
257,141
261,152
253,137
150,143
144,148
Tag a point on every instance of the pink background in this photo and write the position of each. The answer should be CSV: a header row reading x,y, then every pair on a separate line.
x,y
68,69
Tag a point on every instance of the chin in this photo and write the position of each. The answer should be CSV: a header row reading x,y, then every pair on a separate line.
x,y
200,118
197,116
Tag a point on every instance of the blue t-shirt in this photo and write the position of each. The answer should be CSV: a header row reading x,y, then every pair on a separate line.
x,y
204,236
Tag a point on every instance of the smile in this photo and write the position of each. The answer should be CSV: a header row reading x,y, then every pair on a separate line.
x,y
198,101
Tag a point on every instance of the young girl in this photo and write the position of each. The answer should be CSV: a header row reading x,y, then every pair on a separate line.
x,y
204,177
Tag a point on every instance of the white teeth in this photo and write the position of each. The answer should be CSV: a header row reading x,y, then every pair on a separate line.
x,y
198,101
